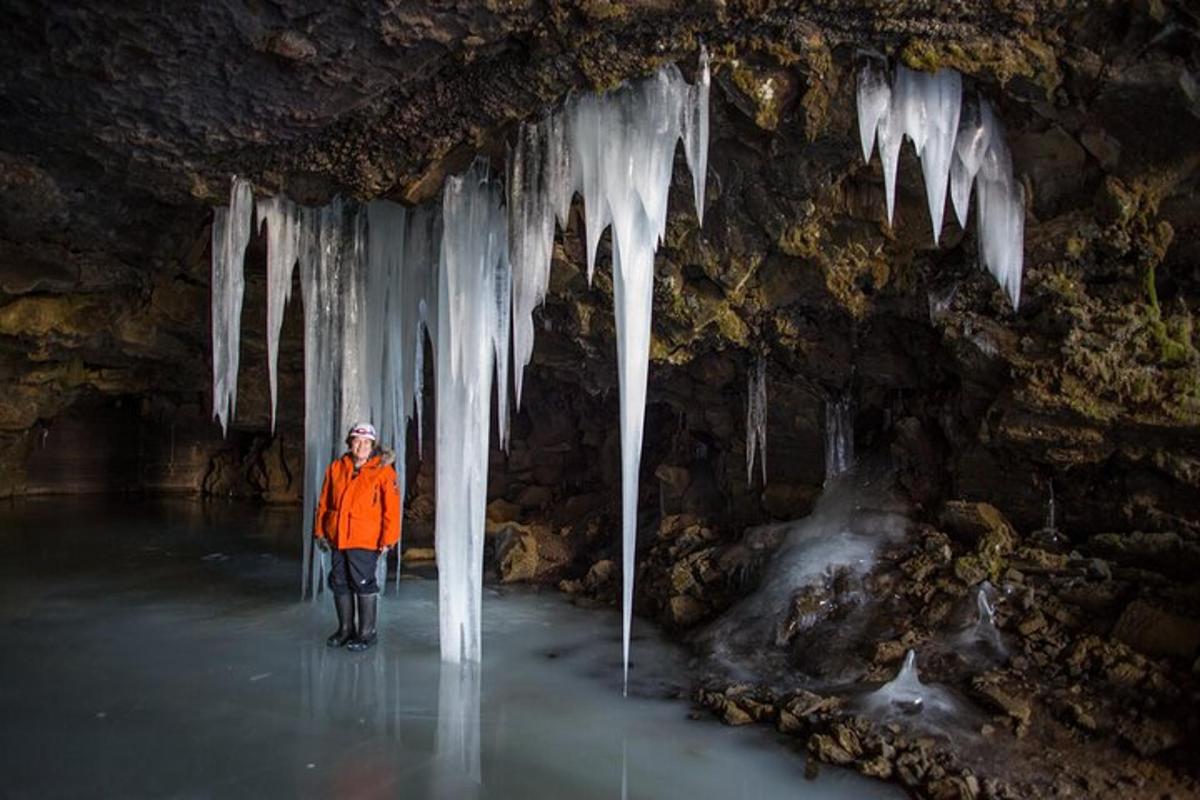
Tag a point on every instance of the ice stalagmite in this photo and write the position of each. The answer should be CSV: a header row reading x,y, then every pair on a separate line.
x,y
280,219
756,418
959,143
230,235
539,186
622,153
472,267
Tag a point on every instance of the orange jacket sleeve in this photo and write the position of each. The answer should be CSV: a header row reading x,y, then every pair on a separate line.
x,y
323,504
389,490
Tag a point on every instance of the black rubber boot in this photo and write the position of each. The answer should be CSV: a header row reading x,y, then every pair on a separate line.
x,y
344,603
368,605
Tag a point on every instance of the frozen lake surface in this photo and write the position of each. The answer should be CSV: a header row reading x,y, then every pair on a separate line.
x,y
158,649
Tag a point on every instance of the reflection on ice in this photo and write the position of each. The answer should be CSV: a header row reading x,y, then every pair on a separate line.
x,y
142,687
459,772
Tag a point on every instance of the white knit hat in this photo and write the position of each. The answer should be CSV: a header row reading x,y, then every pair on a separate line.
x,y
363,429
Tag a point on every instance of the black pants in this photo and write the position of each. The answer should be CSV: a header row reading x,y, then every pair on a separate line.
x,y
353,572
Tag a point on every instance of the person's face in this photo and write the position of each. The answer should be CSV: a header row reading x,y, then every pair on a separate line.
x,y
360,448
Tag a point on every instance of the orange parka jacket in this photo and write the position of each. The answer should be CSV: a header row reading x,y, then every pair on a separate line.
x,y
360,511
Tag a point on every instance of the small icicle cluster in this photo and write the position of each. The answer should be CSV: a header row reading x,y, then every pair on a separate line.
x,y
756,419
230,235
960,144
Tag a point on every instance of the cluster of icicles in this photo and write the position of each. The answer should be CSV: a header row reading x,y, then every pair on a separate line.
x,y
960,143
375,278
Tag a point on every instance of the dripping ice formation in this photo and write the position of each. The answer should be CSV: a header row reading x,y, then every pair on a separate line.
x,y
230,235
280,219
756,419
370,291
472,317
960,143
623,146
839,437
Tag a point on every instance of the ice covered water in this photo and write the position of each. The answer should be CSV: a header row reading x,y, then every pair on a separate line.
x,y
231,230
471,319
224,670
961,145
756,419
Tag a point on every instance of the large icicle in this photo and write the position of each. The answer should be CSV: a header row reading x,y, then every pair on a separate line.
x,y
695,132
756,418
974,136
230,235
1000,213
281,220
622,151
539,190
943,104
331,281
472,265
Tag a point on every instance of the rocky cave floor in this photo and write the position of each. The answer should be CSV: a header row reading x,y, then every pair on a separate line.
x,y
1094,695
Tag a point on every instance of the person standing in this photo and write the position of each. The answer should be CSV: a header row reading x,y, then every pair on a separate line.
x,y
358,519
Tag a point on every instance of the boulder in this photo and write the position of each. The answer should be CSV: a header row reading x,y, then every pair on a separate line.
x,y
1156,632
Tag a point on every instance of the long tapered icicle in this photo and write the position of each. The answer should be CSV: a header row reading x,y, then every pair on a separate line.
x,y
472,269
622,149
756,418
231,231
279,218
943,101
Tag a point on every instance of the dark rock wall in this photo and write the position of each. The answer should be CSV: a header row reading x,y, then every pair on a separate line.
x,y
120,126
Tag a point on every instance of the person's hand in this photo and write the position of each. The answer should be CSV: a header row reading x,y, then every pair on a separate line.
x,y
323,544
383,550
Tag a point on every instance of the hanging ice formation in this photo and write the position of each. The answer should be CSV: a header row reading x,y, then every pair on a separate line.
x,y
959,144
367,280
230,235
472,322
368,295
839,437
756,419
623,145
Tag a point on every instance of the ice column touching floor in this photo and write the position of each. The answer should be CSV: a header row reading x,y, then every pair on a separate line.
x,y
472,317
